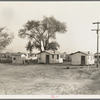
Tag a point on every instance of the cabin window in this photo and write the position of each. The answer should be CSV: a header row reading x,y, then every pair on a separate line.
x,y
57,56
14,58
95,56
52,56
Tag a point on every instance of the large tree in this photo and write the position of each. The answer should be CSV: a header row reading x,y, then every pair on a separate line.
x,y
41,33
5,38
52,26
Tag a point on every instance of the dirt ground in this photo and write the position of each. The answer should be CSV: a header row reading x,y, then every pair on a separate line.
x,y
42,79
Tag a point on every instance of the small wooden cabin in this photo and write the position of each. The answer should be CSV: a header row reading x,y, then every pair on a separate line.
x,y
82,58
49,57
18,58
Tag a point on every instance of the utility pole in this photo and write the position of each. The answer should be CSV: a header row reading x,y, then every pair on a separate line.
x,y
97,31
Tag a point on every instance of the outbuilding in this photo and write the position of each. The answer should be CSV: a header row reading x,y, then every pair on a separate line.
x,y
82,58
6,57
49,57
18,58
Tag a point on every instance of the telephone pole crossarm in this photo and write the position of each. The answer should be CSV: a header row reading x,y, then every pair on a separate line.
x,y
95,30
96,23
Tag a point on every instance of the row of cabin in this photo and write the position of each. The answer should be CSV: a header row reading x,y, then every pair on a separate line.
x,y
77,58
49,57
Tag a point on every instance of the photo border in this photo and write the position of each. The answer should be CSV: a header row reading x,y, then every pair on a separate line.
x,y
49,97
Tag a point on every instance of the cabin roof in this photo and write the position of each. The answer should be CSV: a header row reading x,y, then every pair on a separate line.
x,y
85,53
51,52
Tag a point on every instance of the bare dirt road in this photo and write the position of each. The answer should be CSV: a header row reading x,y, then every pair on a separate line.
x,y
41,79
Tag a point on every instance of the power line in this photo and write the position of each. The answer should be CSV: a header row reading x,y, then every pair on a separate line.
x,y
97,31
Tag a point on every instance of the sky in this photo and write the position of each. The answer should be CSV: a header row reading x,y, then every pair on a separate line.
x,y
78,16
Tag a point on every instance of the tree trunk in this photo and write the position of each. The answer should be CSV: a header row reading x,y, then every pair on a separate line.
x,y
42,47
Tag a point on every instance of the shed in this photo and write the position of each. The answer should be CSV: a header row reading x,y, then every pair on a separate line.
x,y
6,57
18,58
82,58
49,57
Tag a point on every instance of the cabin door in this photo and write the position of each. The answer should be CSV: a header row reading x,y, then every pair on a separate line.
x,y
82,60
47,59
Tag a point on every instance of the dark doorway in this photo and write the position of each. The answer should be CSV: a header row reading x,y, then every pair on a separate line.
x,y
82,60
47,59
